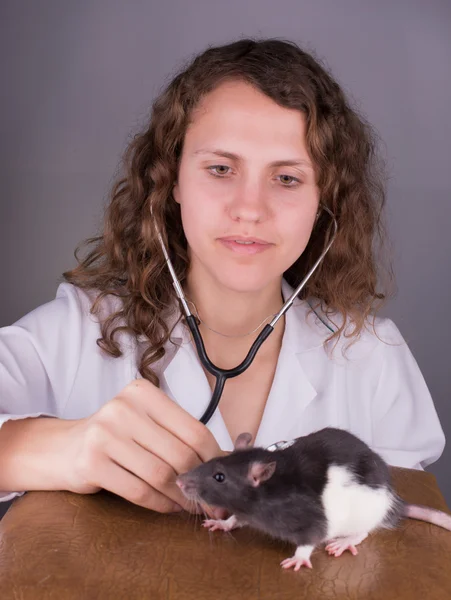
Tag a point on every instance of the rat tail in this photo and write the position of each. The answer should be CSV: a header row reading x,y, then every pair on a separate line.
x,y
430,515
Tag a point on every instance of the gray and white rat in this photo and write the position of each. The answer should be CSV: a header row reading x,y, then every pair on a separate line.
x,y
325,487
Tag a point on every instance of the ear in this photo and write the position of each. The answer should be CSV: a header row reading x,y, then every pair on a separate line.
x,y
260,471
243,441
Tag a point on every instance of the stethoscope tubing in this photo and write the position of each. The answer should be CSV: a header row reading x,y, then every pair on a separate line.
x,y
222,375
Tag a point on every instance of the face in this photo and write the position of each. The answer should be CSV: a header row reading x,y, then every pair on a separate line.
x,y
227,483
246,187
210,484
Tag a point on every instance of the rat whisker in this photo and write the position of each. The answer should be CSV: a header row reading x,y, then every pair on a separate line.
x,y
231,536
194,503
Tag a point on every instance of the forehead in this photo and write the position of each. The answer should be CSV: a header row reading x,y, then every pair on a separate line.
x,y
236,113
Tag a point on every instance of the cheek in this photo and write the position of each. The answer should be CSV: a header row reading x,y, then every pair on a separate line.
x,y
195,221
200,212
295,229
211,496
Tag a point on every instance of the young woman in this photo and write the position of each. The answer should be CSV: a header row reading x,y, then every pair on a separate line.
x,y
244,152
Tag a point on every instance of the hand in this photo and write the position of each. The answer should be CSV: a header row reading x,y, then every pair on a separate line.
x,y
135,446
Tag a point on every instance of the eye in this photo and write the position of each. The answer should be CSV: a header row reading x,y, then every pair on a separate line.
x,y
219,477
289,180
218,170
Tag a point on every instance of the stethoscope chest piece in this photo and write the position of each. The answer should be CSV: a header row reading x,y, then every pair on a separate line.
x,y
280,445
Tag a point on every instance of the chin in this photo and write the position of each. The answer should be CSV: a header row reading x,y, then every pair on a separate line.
x,y
244,281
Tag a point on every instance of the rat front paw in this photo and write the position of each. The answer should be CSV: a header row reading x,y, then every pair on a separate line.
x,y
297,563
300,559
215,524
221,524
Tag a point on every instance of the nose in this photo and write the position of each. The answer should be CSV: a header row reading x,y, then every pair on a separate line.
x,y
249,203
186,483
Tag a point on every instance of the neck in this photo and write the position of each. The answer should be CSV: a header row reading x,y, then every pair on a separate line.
x,y
235,314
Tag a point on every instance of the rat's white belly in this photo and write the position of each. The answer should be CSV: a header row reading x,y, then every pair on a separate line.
x,y
352,508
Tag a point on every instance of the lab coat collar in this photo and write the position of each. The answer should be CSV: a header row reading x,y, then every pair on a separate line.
x,y
293,387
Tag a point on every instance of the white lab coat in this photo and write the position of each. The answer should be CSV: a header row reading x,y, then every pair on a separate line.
x,y
50,365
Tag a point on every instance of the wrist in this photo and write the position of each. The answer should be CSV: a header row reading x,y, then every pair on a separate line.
x,y
33,454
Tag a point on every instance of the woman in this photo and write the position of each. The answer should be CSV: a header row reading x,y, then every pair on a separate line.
x,y
244,151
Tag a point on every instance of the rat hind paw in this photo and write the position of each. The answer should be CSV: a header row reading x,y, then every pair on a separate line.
x,y
337,546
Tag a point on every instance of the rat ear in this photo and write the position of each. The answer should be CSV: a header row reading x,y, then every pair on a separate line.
x,y
243,441
260,471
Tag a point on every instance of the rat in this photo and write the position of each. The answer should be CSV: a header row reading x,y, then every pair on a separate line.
x,y
327,487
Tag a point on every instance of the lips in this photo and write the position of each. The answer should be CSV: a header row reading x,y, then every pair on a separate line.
x,y
246,240
245,245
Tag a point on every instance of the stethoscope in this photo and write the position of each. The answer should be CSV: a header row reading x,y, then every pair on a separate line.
x,y
222,375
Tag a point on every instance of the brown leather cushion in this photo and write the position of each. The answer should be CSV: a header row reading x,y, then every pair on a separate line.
x,y
58,545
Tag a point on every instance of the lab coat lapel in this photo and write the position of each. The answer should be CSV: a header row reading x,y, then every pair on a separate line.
x,y
187,384
293,387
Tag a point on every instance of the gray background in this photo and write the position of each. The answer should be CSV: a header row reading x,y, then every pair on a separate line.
x,y
78,78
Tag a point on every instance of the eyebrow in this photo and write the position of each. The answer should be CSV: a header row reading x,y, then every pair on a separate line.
x,y
296,162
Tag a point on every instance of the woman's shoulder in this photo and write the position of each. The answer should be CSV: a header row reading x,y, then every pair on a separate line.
x,y
312,325
377,333
85,298
71,306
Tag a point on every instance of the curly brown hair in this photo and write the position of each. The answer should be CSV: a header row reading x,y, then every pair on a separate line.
x,y
126,260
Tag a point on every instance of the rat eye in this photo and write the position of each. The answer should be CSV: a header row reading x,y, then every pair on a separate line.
x,y
219,477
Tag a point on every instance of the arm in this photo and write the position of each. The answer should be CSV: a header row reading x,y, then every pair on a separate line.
x,y
406,427
134,445
38,361
31,455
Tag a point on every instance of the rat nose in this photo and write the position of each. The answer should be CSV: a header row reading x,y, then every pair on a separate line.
x,y
185,483
188,484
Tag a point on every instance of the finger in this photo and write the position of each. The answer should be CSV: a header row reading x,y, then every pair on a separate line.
x,y
123,483
172,417
162,443
148,468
